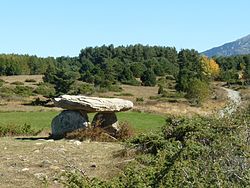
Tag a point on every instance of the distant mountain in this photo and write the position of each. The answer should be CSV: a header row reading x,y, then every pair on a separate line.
x,y
240,46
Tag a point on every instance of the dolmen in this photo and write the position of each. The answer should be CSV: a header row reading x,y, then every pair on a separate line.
x,y
75,115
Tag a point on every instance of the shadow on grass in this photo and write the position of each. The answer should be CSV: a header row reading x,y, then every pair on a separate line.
x,y
39,138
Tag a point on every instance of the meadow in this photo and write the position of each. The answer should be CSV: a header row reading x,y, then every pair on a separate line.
x,y
42,120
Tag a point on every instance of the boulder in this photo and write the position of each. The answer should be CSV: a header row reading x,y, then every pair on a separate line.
x,y
92,104
68,121
106,121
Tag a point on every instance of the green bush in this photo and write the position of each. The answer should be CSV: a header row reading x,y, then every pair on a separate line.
x,y
1,82
6,91
18,83
124,94
17,130
139,99
45,89
24,91
148,78
82,88
133,82
30,80
198,91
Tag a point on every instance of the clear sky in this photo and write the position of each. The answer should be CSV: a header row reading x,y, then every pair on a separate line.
x,y
64,27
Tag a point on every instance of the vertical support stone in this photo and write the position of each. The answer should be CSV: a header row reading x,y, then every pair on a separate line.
x,y
107,121
68,121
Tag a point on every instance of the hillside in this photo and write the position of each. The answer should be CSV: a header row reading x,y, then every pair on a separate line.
x,y
238,47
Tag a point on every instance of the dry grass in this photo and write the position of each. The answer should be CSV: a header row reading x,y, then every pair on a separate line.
x,y
135,91
177,108
40,162
101,135
22,78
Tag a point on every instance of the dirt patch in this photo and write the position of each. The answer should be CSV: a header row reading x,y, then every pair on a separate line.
x,y
39,163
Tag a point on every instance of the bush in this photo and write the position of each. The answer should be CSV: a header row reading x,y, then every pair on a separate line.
x,y
46,90
148,78
30,80
198,91
6,91
82,88
187,152
1,82
92,133
17,130
99,134
111,87
125,131
139,99
160,89
24,91
124,94
133,82
18,83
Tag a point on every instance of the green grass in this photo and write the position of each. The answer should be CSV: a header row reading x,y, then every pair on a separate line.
x,y
37,120
42,120
142,121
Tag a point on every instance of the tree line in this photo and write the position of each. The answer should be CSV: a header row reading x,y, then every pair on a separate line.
x,y
107,66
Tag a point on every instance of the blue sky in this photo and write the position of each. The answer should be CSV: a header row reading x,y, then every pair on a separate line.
x,y
64,27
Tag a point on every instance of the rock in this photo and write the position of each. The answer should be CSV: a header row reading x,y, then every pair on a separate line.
x,y
68,121
92,104
78,143
25,169
41,176
45,164
106,121
93,165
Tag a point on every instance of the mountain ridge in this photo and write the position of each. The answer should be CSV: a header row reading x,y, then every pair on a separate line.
x,y
238,47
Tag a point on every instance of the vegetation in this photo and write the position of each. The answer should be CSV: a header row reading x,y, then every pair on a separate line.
x,y
188,152
234,69
98,134
195,75
17,130
104,68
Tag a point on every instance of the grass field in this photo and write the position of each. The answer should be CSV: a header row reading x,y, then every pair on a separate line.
x,y
42,120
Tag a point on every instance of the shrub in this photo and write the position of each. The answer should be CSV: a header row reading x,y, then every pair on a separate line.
x,y
124,94
148,78
99,134
133,82
139,99
6,91
114,88
82,88
24,91
125,131
160,89
30,80
17,130
45,89
18,83
197,91
92,133
1,82
188,152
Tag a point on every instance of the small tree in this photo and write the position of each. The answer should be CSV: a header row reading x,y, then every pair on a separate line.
x,y
62,79
198,91
148,78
